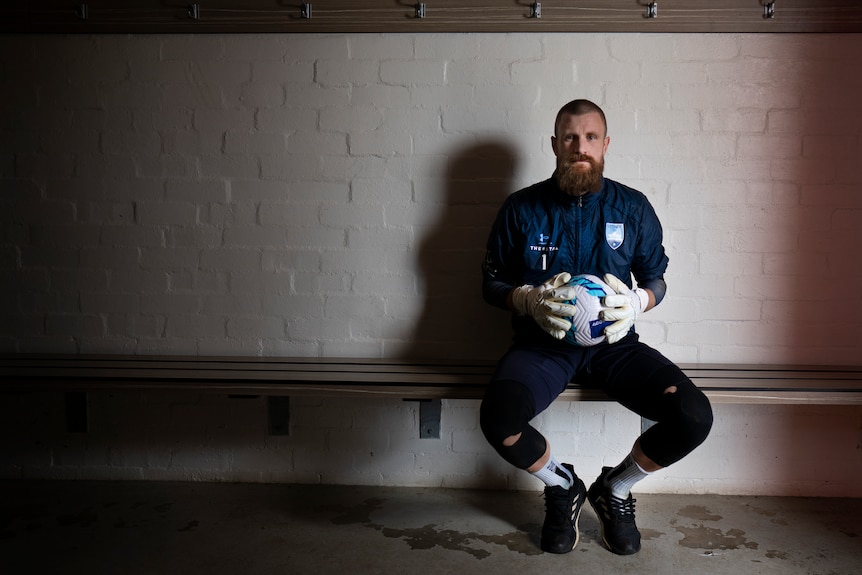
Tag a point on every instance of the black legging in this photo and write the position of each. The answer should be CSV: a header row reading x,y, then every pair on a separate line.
x,y
529,378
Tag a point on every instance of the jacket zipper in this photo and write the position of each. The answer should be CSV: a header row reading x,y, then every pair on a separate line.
x,y
578,224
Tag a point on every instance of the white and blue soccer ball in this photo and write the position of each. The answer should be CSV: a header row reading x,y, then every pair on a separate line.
x,y
588,328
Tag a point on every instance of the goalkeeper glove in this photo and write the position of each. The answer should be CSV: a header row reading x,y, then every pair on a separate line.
x,y
545,305
624,307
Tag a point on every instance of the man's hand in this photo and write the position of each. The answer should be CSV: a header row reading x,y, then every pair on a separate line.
x,y
545,305
624,307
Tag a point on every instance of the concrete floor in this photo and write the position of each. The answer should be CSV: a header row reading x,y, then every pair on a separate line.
x,y
131,528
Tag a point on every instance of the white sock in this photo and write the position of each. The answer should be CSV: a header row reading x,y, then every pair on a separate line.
x,y
554,474
624,476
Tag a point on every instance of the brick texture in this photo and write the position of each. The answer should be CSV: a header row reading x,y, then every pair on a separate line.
x,y
330,195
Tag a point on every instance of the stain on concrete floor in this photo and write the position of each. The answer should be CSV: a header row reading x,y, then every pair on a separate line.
x,y
711,538
142,528
430,536
698,512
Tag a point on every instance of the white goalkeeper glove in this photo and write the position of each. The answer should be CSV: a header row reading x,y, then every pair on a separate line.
x,y
545,305
623,307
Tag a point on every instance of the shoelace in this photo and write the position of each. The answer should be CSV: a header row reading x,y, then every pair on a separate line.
x,y
622,509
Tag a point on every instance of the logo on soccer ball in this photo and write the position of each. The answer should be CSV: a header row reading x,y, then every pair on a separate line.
x,y
587,326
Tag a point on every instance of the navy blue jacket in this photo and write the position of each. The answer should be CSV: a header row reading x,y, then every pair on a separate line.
x,y
541,231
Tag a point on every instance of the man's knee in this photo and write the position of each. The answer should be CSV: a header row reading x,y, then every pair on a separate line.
x,y
685,422
505,413
695,411
691,405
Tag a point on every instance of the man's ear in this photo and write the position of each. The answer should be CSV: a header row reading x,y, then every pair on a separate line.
x,y
554,144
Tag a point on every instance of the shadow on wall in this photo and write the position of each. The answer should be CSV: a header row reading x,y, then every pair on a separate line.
x,y
829,237
455,321
818,279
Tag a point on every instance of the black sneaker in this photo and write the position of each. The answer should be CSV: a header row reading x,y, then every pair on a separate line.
x,y
617,516
562,509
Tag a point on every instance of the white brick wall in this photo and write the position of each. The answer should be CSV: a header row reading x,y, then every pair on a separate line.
x,y
330,195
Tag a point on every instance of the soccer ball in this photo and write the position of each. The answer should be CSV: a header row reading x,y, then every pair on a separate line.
x,y
587,326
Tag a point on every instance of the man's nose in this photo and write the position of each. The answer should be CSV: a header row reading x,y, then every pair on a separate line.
x,y
577,145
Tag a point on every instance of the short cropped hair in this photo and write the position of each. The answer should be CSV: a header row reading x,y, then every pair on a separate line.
x,y
579,108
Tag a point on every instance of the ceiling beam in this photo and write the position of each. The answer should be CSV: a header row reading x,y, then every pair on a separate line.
x,y
359,16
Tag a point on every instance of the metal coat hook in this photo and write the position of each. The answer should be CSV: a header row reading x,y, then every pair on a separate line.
x,y
652,10
195,11
82,11
420,9
769,10
536,10
305,11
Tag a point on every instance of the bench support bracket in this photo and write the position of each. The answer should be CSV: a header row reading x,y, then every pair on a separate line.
x,y
278,411
429,418
76,412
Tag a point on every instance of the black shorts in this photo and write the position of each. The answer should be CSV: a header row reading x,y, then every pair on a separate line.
x,y
619,370
630,372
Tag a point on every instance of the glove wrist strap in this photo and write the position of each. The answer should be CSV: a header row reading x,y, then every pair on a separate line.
x,y
519,299
643,296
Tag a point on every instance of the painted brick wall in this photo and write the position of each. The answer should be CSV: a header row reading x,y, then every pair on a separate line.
x,y
330,195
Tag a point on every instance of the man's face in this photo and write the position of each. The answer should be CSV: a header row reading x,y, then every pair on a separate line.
x,y
580,144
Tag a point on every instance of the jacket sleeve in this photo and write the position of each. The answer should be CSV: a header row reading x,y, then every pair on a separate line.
x,y
651,260
497,268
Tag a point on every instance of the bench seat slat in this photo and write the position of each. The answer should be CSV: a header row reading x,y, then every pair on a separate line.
x,y
730,383
744,382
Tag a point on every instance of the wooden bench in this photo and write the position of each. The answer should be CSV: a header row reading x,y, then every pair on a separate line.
x,y
406,379
409,379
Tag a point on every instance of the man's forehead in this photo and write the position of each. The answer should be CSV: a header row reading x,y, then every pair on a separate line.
x,y
589,119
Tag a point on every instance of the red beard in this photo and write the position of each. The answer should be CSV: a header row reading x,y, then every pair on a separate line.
x,y
576,181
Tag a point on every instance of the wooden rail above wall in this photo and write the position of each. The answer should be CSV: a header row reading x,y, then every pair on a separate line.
x,y
357,16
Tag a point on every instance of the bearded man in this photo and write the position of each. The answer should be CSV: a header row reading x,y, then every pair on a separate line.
x,y
579,222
